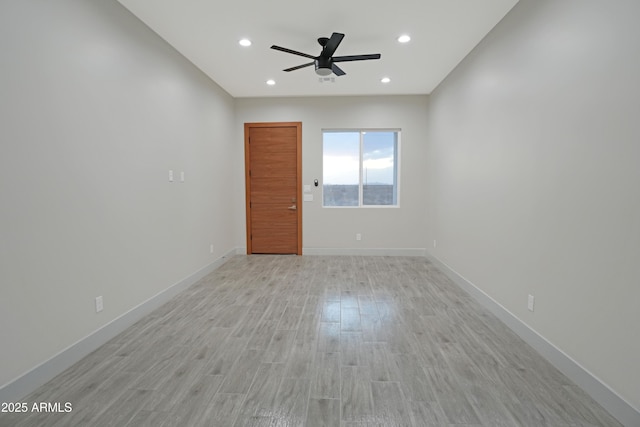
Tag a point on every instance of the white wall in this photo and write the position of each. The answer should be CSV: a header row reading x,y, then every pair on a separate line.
x,y
94,111
534,166
333,230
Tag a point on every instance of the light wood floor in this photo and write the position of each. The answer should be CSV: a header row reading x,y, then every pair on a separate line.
x,y
317,341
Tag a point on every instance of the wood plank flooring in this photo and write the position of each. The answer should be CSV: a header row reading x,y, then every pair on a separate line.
x,y
317,341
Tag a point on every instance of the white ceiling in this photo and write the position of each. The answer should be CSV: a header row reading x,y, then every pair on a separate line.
x,y
207,32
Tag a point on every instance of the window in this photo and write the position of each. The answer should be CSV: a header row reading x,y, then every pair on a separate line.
x,y
360,168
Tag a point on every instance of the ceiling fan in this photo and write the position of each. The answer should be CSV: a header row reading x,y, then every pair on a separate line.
x,y
325,62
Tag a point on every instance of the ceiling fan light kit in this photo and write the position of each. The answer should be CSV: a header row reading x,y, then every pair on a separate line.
x,y
325,62
323,66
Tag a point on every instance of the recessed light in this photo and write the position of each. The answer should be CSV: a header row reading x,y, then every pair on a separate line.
x,y
385,80
271,82
404,38
245,42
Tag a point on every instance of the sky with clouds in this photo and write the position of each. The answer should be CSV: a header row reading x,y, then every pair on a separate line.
x,y
341,158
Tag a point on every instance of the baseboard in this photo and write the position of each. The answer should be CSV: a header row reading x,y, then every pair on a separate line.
x,y
598,390
41,374
366,251
421,252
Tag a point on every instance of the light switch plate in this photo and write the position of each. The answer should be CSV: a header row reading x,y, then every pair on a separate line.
x,y
308,197
307,189
530,302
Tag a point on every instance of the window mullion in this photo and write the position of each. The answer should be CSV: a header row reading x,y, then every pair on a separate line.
x,y
360,186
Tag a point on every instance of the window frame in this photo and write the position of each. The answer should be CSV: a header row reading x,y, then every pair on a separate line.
x,y
397,166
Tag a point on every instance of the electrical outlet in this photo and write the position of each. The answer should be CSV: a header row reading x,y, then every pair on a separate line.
x,y
530,302
182,176
99,304
358,236
170,176
211,248
434,243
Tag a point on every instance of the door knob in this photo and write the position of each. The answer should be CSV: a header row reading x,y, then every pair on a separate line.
x,y
293,208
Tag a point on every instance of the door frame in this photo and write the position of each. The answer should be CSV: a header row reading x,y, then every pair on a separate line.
x,y
247,176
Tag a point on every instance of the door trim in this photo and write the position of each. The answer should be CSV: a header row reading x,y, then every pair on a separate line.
x,y
247,171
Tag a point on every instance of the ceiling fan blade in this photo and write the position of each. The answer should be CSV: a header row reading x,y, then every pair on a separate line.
x,y
337,70
332,45
298,67
355,57
284,49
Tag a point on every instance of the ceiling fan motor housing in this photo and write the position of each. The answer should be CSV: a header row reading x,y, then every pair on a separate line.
x,y
323,66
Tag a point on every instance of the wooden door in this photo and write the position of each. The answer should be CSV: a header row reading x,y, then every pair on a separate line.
x,y
273,173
